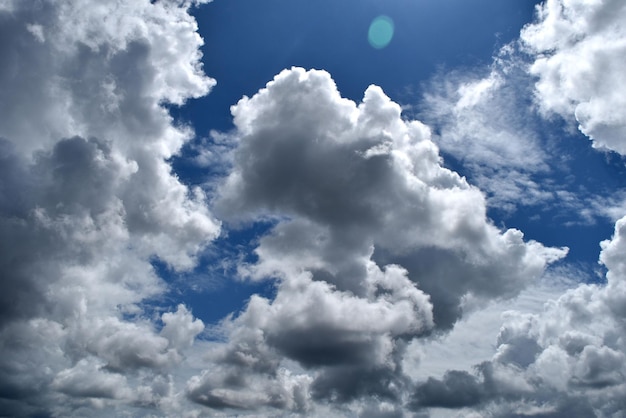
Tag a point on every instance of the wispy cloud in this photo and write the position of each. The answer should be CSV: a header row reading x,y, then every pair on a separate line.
x,y
483,121
567,358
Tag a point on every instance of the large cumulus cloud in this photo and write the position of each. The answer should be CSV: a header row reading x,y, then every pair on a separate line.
x,y
375,244
580,53
87,199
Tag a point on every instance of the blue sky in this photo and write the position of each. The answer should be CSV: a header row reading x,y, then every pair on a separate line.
x,y
331,35
247,208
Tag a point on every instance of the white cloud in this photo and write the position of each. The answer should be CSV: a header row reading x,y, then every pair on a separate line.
x,y
483,122
375,243
86,380
580,53
88,199
180,327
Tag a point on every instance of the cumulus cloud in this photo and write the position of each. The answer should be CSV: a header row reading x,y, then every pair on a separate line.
x,y
567,360
88,199
375,244
485,122
580,52
181,328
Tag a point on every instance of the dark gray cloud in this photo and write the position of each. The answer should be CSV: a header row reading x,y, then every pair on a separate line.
x,y
306,322
457,389
346,383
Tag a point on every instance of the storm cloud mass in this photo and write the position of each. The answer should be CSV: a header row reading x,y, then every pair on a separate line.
x,y
374,246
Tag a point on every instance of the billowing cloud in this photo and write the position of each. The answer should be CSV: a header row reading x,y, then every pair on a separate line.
x,y
567,360
580,53
88,199
375,244
364,183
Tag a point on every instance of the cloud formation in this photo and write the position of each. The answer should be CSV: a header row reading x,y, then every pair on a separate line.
x,y
88,200
567,360
375,244
580,53
482,121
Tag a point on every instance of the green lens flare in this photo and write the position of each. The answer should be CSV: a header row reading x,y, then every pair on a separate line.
x,y
380,32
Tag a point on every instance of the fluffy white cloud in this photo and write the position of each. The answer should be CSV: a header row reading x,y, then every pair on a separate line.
x,y
567,359
580,54
88,199
86,380
351,188
180,327
471,341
